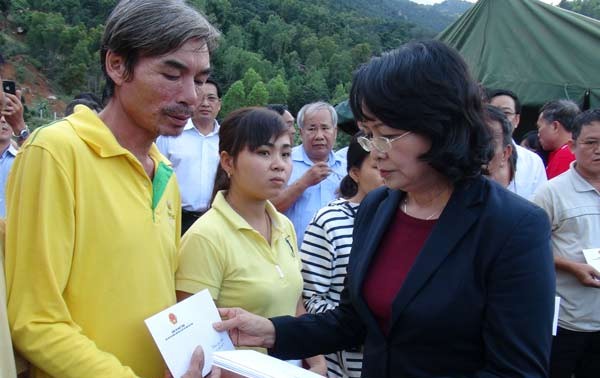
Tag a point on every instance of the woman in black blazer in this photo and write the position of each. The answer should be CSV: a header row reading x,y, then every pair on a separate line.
x,y
450,275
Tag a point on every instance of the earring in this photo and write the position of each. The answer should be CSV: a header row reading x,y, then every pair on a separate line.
x,y
228,175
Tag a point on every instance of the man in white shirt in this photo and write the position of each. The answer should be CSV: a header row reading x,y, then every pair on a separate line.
x,y
195,155
572,201
530,173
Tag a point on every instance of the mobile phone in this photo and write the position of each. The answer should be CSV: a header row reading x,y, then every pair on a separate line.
x,y
9,87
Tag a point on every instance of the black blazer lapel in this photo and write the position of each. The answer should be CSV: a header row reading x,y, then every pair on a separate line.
x,y
457,218
373,219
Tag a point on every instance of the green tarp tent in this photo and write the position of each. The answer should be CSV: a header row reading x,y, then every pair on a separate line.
x,y
539,51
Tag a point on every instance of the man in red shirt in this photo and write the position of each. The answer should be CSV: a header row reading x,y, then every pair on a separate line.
x,y
554,130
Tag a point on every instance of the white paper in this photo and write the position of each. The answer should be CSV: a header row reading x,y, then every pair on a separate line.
x,y
556,311
253,364
179,329
592,257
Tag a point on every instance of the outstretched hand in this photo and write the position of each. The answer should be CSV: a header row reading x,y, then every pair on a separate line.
x,y
245,328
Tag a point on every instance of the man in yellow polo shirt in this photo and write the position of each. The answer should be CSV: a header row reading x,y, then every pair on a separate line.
x,y
94,209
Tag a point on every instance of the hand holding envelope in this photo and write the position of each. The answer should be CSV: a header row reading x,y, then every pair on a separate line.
x,y
196,366
179,329
245,328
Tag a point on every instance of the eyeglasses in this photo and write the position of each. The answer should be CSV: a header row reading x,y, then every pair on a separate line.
x,y
381,144
211,99
590,144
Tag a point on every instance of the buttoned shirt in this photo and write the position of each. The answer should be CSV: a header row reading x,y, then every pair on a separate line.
x,y
573,206
530,173
316,196
6,160
195,158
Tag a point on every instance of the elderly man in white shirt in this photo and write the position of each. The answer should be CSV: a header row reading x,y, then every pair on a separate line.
x,y
195,155
530,172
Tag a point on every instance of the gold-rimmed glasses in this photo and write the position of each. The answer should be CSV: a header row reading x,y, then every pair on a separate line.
x,y
381,144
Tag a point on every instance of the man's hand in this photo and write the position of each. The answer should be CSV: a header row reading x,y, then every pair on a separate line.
x,y
196,366
13,112
316,174
245,328
586,274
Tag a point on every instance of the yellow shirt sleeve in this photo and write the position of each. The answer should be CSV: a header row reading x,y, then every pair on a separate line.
x,y
201,265
39,251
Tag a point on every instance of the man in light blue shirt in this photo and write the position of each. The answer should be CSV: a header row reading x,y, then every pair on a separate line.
x,y
316,172
195,155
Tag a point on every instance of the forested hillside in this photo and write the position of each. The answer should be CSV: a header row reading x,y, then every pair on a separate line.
x,y
288,51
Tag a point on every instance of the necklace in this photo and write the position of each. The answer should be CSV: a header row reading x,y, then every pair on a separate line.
x,y
437,212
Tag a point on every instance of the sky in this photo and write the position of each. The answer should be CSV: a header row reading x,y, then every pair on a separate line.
x,y
472,1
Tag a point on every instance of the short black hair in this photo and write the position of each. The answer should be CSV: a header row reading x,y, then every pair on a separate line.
x,y
425,87
563,111
583,119
279,108
214,82
505,92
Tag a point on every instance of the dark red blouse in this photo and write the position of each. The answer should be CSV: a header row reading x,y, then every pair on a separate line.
x,y
397,252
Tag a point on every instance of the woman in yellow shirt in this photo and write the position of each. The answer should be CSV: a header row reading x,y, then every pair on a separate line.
x,y
243,250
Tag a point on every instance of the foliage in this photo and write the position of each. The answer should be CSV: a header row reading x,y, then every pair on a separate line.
x,y
258,96
234,98
272,51
590,8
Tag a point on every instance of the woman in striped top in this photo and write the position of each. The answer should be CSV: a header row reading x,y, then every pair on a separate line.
x,y
326,248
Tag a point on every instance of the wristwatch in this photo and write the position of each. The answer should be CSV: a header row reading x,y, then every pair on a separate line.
x,y
24,134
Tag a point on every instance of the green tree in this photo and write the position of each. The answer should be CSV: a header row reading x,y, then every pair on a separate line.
x,y
278,90
235,98
258,96
340,69
360,53
251,77
590,8
340,93
314,59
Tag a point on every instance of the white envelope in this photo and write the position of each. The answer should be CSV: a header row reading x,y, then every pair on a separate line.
x,y
179,329
253,364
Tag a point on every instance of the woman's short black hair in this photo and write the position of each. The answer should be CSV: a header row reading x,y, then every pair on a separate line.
x,y
425,87
355,158
246,128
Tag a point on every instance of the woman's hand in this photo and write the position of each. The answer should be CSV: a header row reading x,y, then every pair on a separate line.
x,y
245,328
